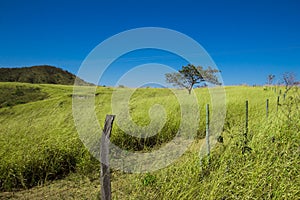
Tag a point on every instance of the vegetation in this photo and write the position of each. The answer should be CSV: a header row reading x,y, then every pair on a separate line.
x,y
11,95
39,74
41,152
270,79
289,80
190,75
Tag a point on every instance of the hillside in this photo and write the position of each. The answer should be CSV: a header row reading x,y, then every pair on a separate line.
x,y
42,74
42,156
14,94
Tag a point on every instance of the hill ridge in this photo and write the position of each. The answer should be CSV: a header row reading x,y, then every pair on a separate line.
x,y
39,74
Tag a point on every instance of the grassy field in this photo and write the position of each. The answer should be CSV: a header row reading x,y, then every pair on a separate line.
x,y
43,157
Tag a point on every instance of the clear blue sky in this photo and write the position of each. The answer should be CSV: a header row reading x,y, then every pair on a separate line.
x,y
247,39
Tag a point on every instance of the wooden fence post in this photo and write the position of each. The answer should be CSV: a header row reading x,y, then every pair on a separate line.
x,y
267,108
104,158
207,129
277,103
246,124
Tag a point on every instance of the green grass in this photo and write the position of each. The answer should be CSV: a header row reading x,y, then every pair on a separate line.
x,y
14,94
42,153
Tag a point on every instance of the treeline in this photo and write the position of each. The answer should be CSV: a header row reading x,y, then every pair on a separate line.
x,y
42,74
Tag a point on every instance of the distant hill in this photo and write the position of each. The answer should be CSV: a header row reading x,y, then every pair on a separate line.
x,y
39,74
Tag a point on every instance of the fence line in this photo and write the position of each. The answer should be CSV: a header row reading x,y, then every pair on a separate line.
x,y
246,119
104,150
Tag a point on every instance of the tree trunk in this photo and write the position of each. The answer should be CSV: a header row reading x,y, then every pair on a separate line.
x,y
190,89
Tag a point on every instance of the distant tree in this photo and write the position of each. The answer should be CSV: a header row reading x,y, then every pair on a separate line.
x,y
190,75
289,80
270,79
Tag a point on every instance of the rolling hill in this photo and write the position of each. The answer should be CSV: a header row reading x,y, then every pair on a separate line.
x,y
41,74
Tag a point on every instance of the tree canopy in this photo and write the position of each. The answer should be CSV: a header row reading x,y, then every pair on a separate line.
x,y
189,76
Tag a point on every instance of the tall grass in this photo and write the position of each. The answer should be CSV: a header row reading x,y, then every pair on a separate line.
x,y
39,143
268,169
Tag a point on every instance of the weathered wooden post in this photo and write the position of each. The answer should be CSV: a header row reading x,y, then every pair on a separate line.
x,y
104,158
207,129
246,123
267,108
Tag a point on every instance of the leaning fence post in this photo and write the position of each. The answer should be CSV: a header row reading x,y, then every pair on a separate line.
x,y
246,124
207,129
267,108
104,158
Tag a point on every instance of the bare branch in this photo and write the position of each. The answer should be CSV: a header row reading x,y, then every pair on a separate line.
x,y
289,80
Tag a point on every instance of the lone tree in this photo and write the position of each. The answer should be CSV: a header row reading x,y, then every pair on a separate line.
x,y
289,80
270,79
190,75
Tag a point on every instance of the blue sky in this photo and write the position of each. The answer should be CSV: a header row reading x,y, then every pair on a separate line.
x,y
246,39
